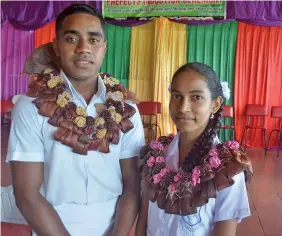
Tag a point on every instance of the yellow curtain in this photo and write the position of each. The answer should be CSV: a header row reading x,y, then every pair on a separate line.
x,y
158,49
141,61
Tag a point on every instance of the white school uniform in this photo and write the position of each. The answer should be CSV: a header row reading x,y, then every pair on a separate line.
x,y
83,189
230,203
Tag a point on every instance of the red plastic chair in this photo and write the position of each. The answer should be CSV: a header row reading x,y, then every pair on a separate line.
x,y
149,115
160,110
252,111
8,229
276,114
227,113
6,108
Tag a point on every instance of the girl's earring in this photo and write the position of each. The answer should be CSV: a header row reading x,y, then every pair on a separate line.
x,y
212,116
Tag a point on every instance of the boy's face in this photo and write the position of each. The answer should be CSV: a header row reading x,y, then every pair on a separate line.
x,y
81,46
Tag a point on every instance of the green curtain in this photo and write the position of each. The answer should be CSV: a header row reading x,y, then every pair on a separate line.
x,y
215,45
117,58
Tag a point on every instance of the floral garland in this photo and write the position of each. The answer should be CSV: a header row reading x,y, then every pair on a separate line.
x,y
170,189
76,128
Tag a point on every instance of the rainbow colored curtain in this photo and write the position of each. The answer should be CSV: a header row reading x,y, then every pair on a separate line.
x,y
145,57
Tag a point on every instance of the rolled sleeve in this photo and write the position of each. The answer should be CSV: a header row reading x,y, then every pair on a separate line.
x,y
133,140
232,202
25,139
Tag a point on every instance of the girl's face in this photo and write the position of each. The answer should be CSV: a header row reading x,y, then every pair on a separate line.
x,y
191,102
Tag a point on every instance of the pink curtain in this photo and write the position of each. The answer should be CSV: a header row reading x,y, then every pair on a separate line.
x,y
16,45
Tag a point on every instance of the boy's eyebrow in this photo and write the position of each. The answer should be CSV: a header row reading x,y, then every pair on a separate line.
x,y
76,32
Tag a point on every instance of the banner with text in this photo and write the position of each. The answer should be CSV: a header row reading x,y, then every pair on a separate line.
x,y
167,8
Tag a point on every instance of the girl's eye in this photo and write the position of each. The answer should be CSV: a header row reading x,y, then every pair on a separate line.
x,y
176,96
197,97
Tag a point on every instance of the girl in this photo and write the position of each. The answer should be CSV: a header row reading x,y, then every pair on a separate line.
x,y
192,184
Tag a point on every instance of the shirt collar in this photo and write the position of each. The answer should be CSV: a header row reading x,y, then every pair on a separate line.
x,y
101,92
172,152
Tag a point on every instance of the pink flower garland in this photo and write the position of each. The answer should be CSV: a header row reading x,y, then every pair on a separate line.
x,y
195,178
151,161
232,145
156,145
178,177
156,160
213,160
157,178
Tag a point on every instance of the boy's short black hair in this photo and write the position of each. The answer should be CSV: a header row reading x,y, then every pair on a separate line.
x,y
79,8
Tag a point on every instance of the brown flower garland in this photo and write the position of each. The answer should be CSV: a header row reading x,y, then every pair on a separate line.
x,y
75,128
182,192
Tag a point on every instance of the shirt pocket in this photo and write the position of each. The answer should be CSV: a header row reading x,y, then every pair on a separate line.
x,y
191,223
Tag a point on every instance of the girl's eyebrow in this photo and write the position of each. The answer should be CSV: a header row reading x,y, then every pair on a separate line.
x,y
193,91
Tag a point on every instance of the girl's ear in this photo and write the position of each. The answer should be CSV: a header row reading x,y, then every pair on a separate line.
x,y
216,104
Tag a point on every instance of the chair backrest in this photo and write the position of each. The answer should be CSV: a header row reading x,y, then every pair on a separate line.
x,y
6,106
276,112
255,110
148,108
227,111
160,110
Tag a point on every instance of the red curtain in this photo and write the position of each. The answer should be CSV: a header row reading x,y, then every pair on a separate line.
x,y
45,34
258,75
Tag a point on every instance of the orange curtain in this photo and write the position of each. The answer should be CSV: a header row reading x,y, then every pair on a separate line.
x,y
45,34
258,75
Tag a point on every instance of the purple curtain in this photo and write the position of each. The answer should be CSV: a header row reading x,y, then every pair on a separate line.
x,y
16,45
267,13
31,15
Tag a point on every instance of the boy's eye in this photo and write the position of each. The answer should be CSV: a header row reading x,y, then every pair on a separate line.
x,y
94,40
71,40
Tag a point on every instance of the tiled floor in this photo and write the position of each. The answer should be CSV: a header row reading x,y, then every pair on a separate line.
x,y
265,192
265,196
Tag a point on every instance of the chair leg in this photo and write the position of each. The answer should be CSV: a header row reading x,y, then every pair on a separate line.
x,y
160,133
264,138
246,139
279,142
151,137
242,139
269,140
